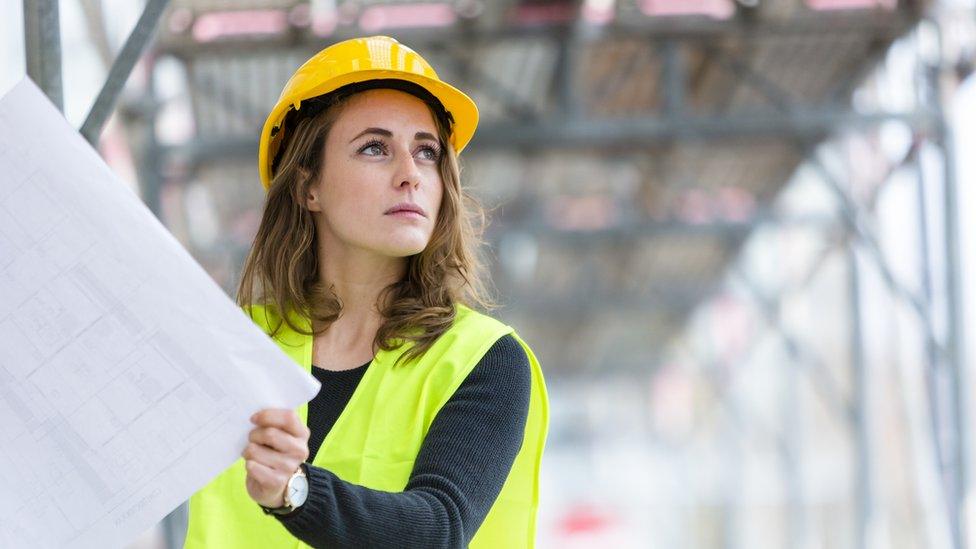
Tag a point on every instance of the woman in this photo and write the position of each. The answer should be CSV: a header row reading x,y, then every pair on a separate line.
x,y
429,426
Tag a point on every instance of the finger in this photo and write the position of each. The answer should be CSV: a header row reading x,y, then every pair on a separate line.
x,y
279,440
286,420
283,463
271,437
267,479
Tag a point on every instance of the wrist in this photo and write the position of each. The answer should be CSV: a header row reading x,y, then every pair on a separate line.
x,y
296,491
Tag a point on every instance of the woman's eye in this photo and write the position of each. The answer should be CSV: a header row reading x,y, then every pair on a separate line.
x,y
372,149
429,153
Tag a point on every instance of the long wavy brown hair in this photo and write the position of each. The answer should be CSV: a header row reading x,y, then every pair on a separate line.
x,y
281,271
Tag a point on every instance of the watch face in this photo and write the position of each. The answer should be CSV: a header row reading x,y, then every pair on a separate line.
x,y
297,490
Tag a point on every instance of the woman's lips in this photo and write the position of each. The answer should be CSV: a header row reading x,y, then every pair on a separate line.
x,y
409,214
407,209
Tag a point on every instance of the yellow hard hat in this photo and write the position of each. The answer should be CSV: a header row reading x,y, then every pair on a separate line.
x,y
360,60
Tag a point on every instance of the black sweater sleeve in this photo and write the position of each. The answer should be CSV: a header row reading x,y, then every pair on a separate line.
x,y
459,471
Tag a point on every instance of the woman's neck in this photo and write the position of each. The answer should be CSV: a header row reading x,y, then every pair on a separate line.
x,y
357,279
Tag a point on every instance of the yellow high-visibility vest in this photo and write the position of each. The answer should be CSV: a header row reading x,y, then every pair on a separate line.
x,y
375,440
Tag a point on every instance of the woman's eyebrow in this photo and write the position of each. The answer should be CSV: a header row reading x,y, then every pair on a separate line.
x,y
377,131
387,133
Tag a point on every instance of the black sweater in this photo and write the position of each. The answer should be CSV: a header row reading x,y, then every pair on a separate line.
x,y
459,471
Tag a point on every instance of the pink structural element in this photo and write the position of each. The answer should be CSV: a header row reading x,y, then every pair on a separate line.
x,y
209,27
719,9
826,5
544,14
376,18
586,518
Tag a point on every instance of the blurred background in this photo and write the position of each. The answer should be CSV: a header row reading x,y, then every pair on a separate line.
x,y
737,233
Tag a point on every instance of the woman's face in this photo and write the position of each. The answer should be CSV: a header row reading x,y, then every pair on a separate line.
x,y
381,161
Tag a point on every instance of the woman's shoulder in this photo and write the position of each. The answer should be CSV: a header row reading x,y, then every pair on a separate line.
x,y
468,316
267,317
508,350
506,337
503,377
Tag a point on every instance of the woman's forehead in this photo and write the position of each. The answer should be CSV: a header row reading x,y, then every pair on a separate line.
x,y
394,110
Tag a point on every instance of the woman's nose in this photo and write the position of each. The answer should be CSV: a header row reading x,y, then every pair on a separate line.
x,y
408,173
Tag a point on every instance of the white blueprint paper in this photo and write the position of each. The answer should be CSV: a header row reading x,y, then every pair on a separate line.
x,y
127,376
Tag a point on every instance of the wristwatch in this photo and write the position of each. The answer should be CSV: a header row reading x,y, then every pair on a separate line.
x,y
295,493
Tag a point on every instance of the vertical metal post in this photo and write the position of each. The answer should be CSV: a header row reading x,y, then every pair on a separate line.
x,y
955,349
933,364
734,485
567,74
42,44
174,526
958,454
673,74
796,535
733,435
863,490
151,162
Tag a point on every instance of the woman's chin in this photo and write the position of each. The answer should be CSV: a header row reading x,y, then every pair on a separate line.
x,y
404,248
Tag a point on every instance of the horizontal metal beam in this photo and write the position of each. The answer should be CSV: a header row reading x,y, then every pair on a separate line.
x,y
641,131
671,28
635,133
649,228
676,301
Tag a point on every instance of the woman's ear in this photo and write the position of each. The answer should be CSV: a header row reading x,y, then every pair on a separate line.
x,y
312,201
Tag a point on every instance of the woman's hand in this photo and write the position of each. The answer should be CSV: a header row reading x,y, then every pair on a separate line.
x,y
277,446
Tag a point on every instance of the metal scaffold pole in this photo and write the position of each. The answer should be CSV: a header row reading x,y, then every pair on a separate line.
x,y
864,487
956,427
42,45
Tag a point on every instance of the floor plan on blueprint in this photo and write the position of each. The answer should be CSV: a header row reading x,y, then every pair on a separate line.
x,y
127,376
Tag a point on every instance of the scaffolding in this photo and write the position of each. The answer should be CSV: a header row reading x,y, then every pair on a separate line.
x,y
633,165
